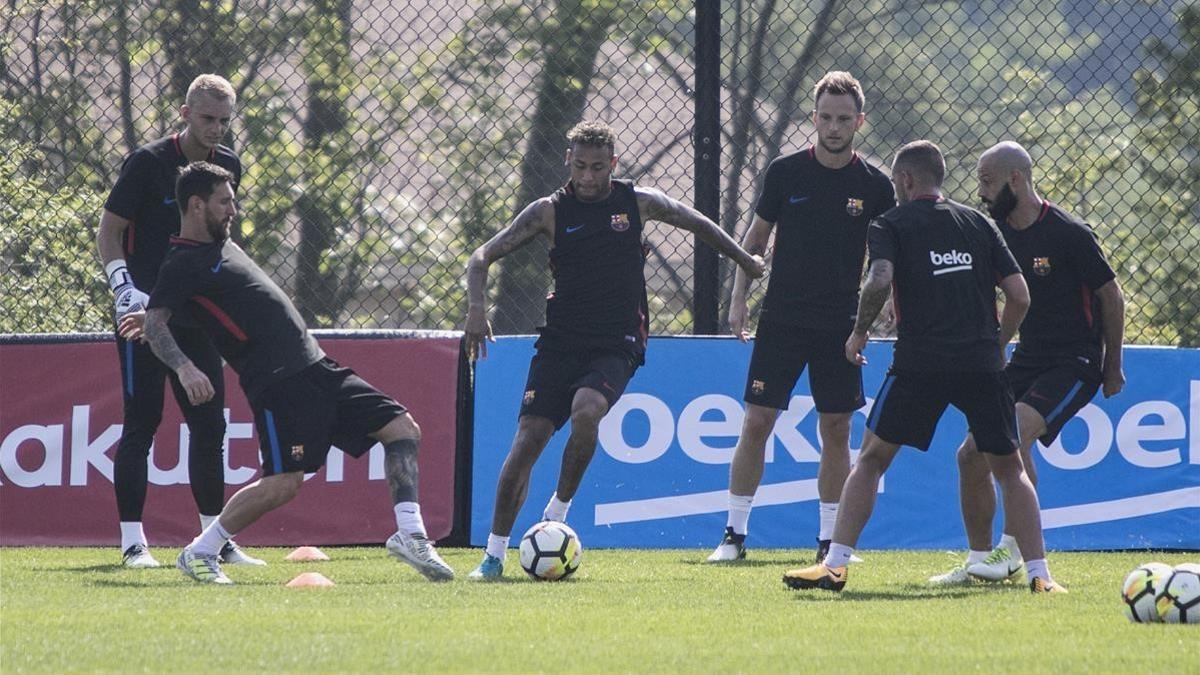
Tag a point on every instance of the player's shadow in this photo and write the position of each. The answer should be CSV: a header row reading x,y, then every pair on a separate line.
x,y
731,563
902,593
109,568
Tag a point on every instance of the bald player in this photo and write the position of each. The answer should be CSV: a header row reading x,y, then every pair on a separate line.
x,y
1070,343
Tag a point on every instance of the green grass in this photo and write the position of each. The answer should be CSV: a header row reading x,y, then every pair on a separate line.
x,y
664,611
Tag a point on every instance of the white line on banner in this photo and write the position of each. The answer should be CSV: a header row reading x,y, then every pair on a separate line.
x,y
1130,507
638,510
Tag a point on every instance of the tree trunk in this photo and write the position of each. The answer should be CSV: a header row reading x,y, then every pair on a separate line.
x,y
326,115
570,50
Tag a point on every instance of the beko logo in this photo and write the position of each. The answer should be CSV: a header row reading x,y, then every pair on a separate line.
x,y
957,261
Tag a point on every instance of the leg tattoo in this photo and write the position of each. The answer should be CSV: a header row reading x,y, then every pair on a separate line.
x,y
400,465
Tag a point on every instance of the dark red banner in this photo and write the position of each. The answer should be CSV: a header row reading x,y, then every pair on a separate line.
x,y
60,419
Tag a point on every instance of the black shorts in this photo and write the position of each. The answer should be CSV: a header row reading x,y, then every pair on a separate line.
x,y
910,403
555,376
1056,391
781,352
325,404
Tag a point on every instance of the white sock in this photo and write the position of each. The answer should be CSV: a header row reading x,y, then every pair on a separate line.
x,y
838,556
131,533
977,556
210,540
497,546
205,521
556,509
739,512
408,518
828,519
1037,569
1009,542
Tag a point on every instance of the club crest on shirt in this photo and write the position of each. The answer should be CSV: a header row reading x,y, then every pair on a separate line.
x,y
757,387
620,222
854,207
1041,266
529,394
297,453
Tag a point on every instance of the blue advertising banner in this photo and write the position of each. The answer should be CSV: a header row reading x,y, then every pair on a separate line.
x,y
1124,473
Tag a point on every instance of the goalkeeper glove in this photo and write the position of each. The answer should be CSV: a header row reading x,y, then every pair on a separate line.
x,y
127,297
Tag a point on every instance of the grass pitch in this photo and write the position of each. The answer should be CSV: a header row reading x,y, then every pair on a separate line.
x,y
625,611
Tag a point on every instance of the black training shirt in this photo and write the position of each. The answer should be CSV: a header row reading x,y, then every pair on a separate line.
x,y
948,259
250,319
145,194
821,217
1063,264
598,261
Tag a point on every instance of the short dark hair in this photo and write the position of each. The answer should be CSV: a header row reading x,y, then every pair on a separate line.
x,y
922,157
839,82
199,179
593,134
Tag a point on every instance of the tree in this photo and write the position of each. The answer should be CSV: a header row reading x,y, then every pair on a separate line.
x,y
46,285
565,38
1168,106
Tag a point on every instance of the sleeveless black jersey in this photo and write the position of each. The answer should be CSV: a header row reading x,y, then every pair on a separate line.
x,y
145,194
821,217
598,260
249,318
1063,264
948,259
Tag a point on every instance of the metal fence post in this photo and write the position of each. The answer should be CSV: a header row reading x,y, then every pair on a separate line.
x,y
707,146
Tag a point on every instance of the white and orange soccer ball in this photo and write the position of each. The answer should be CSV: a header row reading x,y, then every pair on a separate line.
x,y
1140,591
1178,598
550,551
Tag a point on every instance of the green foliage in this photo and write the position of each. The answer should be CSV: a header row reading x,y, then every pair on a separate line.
x,y
46,244
625,611
1168,137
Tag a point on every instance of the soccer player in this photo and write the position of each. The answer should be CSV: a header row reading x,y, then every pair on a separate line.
x,y
1070,342
139,217
944,259
596,318
822,199
302,400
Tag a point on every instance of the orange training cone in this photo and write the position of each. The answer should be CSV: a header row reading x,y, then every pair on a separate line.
x,y
310,580
306,554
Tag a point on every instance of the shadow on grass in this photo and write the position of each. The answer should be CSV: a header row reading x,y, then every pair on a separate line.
x,y
109,568
903,592
731,563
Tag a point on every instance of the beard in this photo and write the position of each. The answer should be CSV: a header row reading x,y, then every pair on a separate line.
x,y
218,228
1003,204
836,149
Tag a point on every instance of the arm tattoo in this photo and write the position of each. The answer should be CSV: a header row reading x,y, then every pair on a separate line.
x,y
524,227
655,205
159,337
875,293
527,225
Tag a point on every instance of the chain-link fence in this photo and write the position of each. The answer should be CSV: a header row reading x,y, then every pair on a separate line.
x,y
383,141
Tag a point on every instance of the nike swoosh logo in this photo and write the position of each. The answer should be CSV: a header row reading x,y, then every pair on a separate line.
x,y
167,201
797,200
217,268
573,228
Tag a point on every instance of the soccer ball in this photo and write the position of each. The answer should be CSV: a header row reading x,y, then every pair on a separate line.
x,y
1179,595
550,551
1141,589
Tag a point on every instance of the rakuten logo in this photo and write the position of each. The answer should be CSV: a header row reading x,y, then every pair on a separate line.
x,y
958,261
37,455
